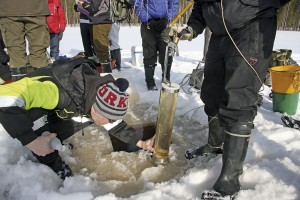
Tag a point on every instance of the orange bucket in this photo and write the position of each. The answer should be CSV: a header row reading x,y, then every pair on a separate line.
x,y
285,79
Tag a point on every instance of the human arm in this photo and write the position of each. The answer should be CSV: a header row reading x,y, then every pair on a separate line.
x,y
140,10
62,18
41,145
89,8
172,9
5,74
75,7
129,135
18,123
196,23
147,144
4,58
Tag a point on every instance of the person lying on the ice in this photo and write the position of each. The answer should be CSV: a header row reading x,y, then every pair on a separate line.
x,y
48,98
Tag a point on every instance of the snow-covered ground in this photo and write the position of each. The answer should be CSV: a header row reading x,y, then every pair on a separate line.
x,y
271,169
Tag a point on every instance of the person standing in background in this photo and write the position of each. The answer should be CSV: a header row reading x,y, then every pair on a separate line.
x,y
56,23
155,16
115,51
20,21
101,17
86,30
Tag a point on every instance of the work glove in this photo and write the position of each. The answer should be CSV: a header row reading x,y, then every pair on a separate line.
x,y
151,24
4,58
186,34
162,24
5,75
76,7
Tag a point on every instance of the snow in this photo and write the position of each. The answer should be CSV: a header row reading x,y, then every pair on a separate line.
x,y
271,169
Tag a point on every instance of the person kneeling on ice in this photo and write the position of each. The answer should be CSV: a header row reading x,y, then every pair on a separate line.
x,y
46,100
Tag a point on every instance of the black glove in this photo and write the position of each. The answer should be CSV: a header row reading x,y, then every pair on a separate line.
x,y
151,24
4,58
162,24
186,34
76,7
5,74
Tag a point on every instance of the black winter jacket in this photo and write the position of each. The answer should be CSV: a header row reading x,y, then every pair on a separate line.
x,y
77,81
236,13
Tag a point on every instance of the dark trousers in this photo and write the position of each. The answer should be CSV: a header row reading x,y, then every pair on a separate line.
x,y
230,86
54,45
155,43
86,31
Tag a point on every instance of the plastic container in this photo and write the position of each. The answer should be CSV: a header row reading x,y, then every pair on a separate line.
x,y
285,103
137,55
54,143
286,88
285,79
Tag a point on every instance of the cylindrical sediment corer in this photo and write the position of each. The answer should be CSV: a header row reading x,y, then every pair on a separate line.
x,y
165,122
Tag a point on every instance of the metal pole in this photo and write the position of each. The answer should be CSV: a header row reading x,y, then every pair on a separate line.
x,y
181,13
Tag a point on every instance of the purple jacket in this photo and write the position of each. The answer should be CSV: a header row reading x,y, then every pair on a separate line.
x,y
81,10
148,9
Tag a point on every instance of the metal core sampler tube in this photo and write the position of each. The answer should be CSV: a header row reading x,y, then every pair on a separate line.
x,y
165,122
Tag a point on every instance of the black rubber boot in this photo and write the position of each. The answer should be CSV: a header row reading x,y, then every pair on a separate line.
x,y
214,142
106,67
149,75
116,55
18,73
234,153
61,168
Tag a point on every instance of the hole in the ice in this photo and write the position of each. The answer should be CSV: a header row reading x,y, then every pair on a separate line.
x,y
124,173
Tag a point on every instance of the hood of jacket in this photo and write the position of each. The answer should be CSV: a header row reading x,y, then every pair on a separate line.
x,y
81,80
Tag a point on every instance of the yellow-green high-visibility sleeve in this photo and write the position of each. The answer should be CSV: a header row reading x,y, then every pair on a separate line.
x,y
35,93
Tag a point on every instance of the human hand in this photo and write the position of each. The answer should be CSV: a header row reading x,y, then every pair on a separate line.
x,y
186,34
60,34
162,24
147,145
4,58
5,75
40,145
85,5
75,7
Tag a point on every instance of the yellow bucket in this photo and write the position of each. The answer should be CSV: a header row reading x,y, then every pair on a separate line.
x,y
285,79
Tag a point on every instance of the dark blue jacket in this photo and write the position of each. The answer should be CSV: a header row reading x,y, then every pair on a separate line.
x,y
148,9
